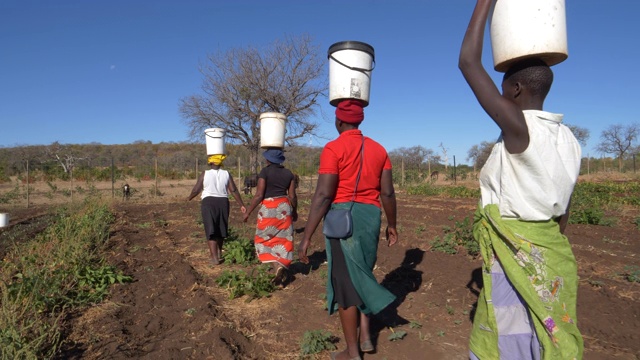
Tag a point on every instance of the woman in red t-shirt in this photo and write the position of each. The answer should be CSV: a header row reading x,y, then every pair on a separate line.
x,y
352,289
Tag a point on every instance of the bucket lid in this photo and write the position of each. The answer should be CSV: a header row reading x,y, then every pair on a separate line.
x,y
273,115
351,45
214,130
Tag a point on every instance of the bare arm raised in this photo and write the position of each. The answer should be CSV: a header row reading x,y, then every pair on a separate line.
x,y
503,109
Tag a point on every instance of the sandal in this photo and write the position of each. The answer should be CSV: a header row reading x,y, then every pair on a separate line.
x,y
366,346
334,355
280,273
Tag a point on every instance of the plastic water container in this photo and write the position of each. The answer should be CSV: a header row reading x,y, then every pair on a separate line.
x,y
273,127
4,219
350,67
525,28
215,141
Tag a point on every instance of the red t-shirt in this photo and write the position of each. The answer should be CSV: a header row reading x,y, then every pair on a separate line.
x,y
342,157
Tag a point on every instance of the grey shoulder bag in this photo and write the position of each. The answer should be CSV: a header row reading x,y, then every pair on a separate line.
x,y
338,223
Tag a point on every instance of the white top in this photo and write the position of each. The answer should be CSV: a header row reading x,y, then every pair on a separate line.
x,y
215,183
535,185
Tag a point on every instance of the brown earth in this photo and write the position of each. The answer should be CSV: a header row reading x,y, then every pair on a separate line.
x,y
174,309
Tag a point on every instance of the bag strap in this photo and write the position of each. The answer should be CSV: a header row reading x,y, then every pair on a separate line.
x,y
359,171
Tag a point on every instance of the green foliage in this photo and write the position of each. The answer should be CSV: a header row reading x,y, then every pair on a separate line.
x,y
632,273
415,325
461,192
461,235
239,250
587,216
47,275
636,221
429,189
450,310
93,283
397,335
426,189
317,341
11,195
257,284
590,201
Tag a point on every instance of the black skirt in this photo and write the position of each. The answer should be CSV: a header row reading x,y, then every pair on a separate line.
x,y
343,291
215,216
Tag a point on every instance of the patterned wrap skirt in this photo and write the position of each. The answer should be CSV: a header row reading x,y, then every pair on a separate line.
x,y
274,231
527,306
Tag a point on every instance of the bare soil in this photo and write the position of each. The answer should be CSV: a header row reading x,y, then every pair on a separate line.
x,y
174,309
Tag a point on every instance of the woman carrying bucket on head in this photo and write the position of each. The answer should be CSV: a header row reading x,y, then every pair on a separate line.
x,y
352,288
276,196
527,305
215,185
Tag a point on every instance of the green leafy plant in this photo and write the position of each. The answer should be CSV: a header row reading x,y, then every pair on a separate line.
x,y
396,335
415,325
93,282
316,341
450,310
632,273
239,250
460,235
257,284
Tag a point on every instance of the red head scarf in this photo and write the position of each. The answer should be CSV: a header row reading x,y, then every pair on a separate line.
x,y
350,111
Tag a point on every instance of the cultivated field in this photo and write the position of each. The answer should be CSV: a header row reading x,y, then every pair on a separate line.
x,y
174,309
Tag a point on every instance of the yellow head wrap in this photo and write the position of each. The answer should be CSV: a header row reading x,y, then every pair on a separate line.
x,y
216,159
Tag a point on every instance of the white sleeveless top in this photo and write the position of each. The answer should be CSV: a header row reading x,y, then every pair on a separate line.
x,y
535,185
215,183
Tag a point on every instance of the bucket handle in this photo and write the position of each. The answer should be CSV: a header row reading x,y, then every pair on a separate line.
x,y
353,67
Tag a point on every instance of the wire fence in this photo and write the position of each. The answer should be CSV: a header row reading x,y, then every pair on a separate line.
x,y
33,182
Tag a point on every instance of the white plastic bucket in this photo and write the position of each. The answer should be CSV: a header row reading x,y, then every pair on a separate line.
x,y
215,141
4,219
350,67
524,28
273,126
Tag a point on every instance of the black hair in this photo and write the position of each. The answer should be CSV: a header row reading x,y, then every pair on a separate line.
x,y
534,74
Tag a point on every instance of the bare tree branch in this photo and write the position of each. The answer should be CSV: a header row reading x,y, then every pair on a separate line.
x,y
287,77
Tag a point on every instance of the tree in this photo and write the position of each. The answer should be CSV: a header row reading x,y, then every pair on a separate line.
x,y
239,85
415,155
479,154
581,134
65,155
618,140
445,157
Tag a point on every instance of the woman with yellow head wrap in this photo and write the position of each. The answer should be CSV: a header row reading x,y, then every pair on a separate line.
x,y
216,159
215,185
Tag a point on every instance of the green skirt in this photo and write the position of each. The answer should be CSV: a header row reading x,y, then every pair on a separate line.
x,y
361,252
538,261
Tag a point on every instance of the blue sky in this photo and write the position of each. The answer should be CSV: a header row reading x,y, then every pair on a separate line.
x,y
113,72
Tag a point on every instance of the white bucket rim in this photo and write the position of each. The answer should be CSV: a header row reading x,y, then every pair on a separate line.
x,y
351,45
273,115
